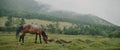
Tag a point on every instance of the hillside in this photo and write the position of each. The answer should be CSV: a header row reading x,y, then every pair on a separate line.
x,y
35,21
41,11
79,18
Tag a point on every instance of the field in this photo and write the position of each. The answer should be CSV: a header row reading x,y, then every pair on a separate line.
x,y
79,42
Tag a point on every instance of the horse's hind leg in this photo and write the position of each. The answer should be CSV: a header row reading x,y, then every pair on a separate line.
x,y
40,38
36,38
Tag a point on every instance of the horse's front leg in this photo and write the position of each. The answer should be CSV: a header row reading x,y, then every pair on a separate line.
x,y
21,38
36,38
40,38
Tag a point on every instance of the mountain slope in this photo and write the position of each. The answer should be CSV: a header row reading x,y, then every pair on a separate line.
x,y
79,18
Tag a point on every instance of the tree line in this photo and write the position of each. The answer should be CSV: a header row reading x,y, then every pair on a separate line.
x,y
78,29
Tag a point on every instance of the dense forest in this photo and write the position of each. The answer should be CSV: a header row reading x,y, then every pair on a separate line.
x,y
84,24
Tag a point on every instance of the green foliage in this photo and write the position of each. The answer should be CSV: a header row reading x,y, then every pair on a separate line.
x,y
22,21
114,34
92,30
54,28
9,22
51,28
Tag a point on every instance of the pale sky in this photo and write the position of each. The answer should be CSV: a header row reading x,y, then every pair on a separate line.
x,y
106,9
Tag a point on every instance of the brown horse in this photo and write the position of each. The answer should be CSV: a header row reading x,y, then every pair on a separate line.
x,y
33,29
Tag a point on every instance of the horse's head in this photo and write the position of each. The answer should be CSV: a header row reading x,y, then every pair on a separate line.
x,y
45,37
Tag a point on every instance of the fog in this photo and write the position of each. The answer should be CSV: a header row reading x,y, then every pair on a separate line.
x,y
106,9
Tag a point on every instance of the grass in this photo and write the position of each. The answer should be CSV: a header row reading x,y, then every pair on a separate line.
x,y
79,42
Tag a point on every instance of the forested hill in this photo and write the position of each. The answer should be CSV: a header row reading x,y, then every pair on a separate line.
x,y
31,9
79,18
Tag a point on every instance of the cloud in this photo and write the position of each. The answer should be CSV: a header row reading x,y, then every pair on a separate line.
x,y
106,9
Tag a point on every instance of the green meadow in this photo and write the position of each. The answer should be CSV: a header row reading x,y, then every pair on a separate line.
x,y
79,42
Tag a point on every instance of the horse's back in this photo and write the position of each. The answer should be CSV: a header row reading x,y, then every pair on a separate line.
x,y
32,28
32,25
36,26
26,25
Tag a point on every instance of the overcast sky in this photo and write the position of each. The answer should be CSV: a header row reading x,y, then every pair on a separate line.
x,y
106,9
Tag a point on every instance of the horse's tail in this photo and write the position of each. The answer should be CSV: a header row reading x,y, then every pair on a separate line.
x,y
18,30
45,37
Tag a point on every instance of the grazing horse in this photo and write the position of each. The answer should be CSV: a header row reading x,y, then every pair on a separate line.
x,y
33,29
